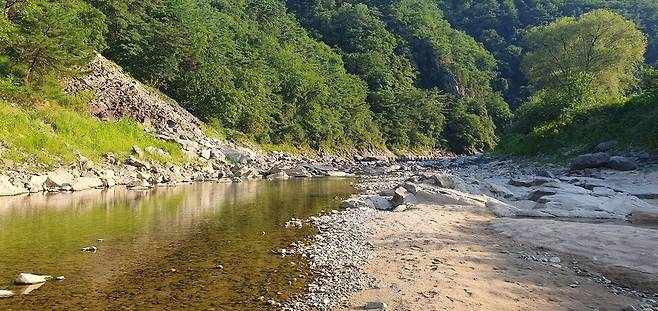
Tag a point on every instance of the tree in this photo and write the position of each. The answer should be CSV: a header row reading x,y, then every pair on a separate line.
x,y
601,46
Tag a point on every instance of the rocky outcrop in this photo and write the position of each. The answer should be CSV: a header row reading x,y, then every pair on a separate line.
x,y
117,95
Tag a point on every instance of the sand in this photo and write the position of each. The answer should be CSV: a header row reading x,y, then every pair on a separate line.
x,y
443,258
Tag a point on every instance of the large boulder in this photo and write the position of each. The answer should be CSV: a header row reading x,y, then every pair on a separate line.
x,y
278,176
589,206
444,196
621,164
36,183
85,183
60,179
29,279
8,189
592,160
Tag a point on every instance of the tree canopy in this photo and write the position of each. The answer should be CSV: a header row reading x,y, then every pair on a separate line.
x,y
601,45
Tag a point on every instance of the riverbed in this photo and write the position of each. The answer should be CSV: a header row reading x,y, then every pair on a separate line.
x,y
202,246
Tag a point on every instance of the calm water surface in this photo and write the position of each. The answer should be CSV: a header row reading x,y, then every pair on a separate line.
x,y
160,248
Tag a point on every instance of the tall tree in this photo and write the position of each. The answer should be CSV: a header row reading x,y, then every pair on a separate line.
x,y
601,47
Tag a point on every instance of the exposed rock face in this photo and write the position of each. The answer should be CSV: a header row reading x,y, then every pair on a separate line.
x,y
117,96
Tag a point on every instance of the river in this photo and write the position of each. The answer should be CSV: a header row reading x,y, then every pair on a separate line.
x,y
161,249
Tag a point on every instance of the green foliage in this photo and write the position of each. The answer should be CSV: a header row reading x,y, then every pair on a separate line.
x,y
601,45
246,65
408,55
632,122
45,37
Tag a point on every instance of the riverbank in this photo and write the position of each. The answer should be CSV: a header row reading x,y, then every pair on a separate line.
x,y
454,234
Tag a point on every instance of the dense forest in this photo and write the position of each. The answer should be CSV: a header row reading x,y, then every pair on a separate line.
x,y
332,74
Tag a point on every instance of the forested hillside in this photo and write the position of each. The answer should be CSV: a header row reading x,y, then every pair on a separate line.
x,y
405,74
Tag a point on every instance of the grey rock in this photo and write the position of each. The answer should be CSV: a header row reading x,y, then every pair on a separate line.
x,y
593,160
606,146
621,164
138,163
375,305
278,176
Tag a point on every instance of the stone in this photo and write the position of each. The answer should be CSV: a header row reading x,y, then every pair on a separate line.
x,y
36,183
592,160
606,146
338,174
356,202
85,183
621,164
554,259
138,184
299,171
138,163
399,196
205,154
412,187
85,163
375,305
499,190
216,154
90,249
588,206
450,197
158,152
537,194
545,173
278,176
29,279
138,151
8,189
444,180
59,179
6,293
380,202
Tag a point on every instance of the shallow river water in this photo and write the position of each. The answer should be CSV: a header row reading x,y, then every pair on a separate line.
x,y
160,249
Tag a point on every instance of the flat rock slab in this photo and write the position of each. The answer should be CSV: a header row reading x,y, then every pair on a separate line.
x,y
610,246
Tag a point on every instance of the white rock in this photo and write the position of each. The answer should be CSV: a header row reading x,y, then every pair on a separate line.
x,y
6,293
8,189
278,176
37,182
59,179
28,279
85,183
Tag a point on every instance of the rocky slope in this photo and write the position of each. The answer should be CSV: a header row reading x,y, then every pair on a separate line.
x,y
116,95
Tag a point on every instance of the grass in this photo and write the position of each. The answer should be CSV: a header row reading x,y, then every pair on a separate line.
x,y
53,135
633,122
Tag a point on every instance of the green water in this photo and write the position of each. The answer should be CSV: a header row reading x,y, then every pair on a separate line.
x,y
161,248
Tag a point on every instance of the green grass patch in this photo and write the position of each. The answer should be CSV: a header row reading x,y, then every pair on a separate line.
x,y
53,135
